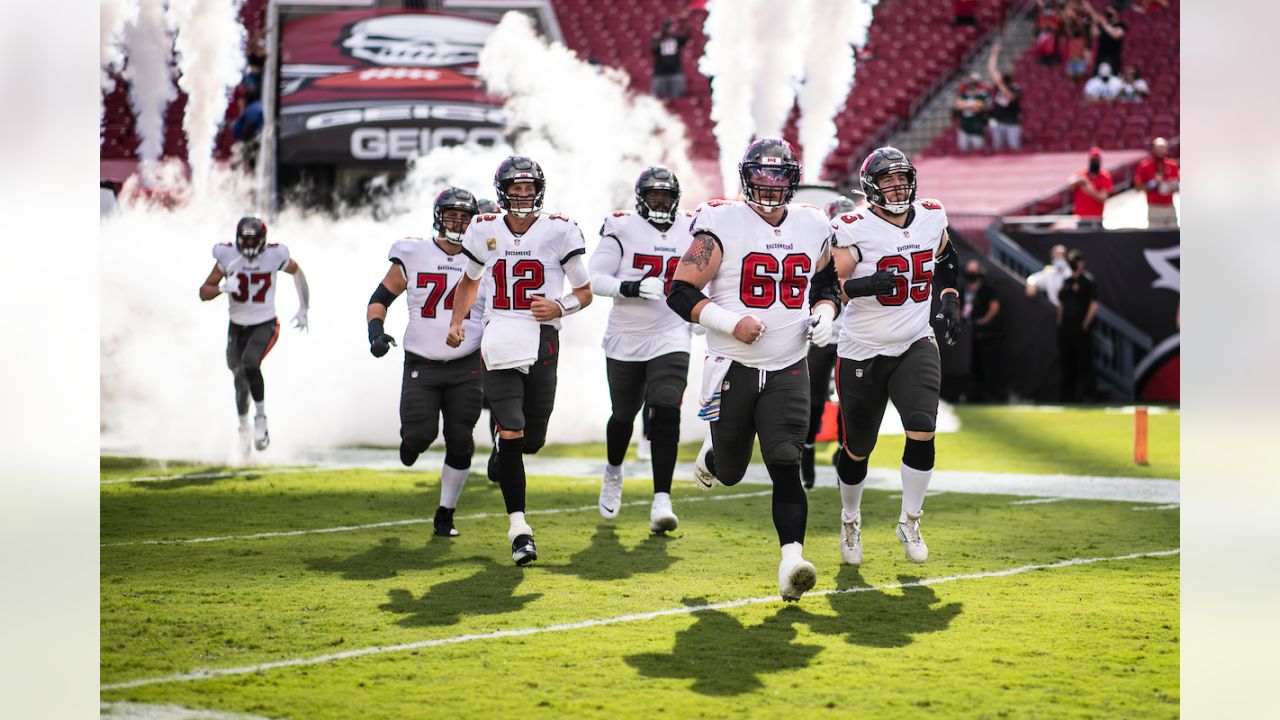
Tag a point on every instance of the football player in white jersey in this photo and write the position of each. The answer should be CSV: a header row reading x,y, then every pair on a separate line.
x,y
888,259
646,345
770,291
527,256
438,379
822,365
246,272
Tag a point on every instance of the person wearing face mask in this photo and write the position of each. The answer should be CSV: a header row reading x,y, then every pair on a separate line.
x,y
980,307
1050,279
1092,188
1077,307
1158,174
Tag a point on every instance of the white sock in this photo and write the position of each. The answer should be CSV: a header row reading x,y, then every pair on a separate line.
x,y
661,499
244,422
612,469
792,551
518,526
914,485
851,497
261,405
451,481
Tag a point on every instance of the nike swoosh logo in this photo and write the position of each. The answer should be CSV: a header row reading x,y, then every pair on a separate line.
x,y
606,508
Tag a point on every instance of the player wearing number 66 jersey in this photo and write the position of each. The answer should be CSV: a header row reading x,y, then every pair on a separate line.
x,y
646,346
770,291
888,258
438,379
246,272
527,257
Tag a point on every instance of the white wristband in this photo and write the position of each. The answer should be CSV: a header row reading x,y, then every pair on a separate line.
x,y
717,318
827,310
569,304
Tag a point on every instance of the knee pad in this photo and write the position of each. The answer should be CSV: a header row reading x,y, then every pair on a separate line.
x,y
534,438
784,453
920,422
458,460
918,454
850,471
417,439
664,424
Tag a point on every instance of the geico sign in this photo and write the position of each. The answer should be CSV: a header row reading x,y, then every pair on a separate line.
x,y
375,143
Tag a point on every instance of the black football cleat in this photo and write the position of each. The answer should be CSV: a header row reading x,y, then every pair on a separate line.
x,y
444,523
523,550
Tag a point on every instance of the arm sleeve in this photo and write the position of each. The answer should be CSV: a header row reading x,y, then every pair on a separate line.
x,y
604,266
575,271
285,256
572,245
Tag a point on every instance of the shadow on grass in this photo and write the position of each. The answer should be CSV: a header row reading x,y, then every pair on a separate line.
x,y
385,560
491,591
723,657
876,618
606,558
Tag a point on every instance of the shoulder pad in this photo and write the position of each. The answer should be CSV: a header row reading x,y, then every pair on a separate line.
x,y
559,217
716,203
621,213
809,205
851,217
930,204
223,245
485,218
688,214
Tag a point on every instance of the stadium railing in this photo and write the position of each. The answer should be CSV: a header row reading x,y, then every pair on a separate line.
x,y
1117,344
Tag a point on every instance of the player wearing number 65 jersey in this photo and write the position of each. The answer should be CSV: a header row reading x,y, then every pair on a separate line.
x,y
887,259
765,266
438,379
246,272
646,346
527,257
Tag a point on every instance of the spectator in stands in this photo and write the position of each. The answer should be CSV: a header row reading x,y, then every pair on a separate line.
x,y
1158,173
1048,31
1092,188
966,12
1111,32
668,69
250,120
1076,49
981,308
1132,87
1049,280
1006,106
1103,87
1077,307
972,101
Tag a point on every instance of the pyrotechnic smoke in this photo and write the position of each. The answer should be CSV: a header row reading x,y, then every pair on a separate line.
x,y
782,32
731,64
837,27
148,47
209,45
112,17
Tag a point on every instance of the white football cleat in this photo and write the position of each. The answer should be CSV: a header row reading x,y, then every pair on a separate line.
x,y
796,576
662,519
851,539
912,542
260,438
643,451
705,479
523,550
611,494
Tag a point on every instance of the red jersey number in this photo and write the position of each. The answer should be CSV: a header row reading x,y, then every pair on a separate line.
x,y
528,276
652,266
766,280
262,280
913,280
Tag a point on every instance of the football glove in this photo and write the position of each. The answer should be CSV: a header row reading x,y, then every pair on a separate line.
x,y
821,325
881,282
652,288
379,341
949,314
300,319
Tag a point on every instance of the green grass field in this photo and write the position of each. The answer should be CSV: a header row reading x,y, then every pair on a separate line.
x,y
951,638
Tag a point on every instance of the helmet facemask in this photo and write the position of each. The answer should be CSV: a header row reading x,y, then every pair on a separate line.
x,y
769,186
452,223
522,205
898,192
251,237
657,205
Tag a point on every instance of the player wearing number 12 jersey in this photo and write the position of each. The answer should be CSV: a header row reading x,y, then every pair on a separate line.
x,y
527,257
246,272
765,266
646,346
887,259
438,379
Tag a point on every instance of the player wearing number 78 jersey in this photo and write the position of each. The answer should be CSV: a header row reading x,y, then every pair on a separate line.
x,y
439,380
246,272
887,259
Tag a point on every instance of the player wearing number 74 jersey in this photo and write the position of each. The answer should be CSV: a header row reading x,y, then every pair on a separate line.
x,y
246,272
887,259
438,379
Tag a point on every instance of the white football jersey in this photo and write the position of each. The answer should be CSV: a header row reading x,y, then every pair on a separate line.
x,y
631,248
765,272
432,276
255,301
889,324
519,268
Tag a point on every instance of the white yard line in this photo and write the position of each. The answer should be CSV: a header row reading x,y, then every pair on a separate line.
x,y
1170,506
210,673
214,475
415,521
140,711
1036,501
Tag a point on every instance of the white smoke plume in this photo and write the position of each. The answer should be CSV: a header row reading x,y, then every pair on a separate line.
x,y
732,71
781,38
166,390
837,27
113,15
149,49
209,44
